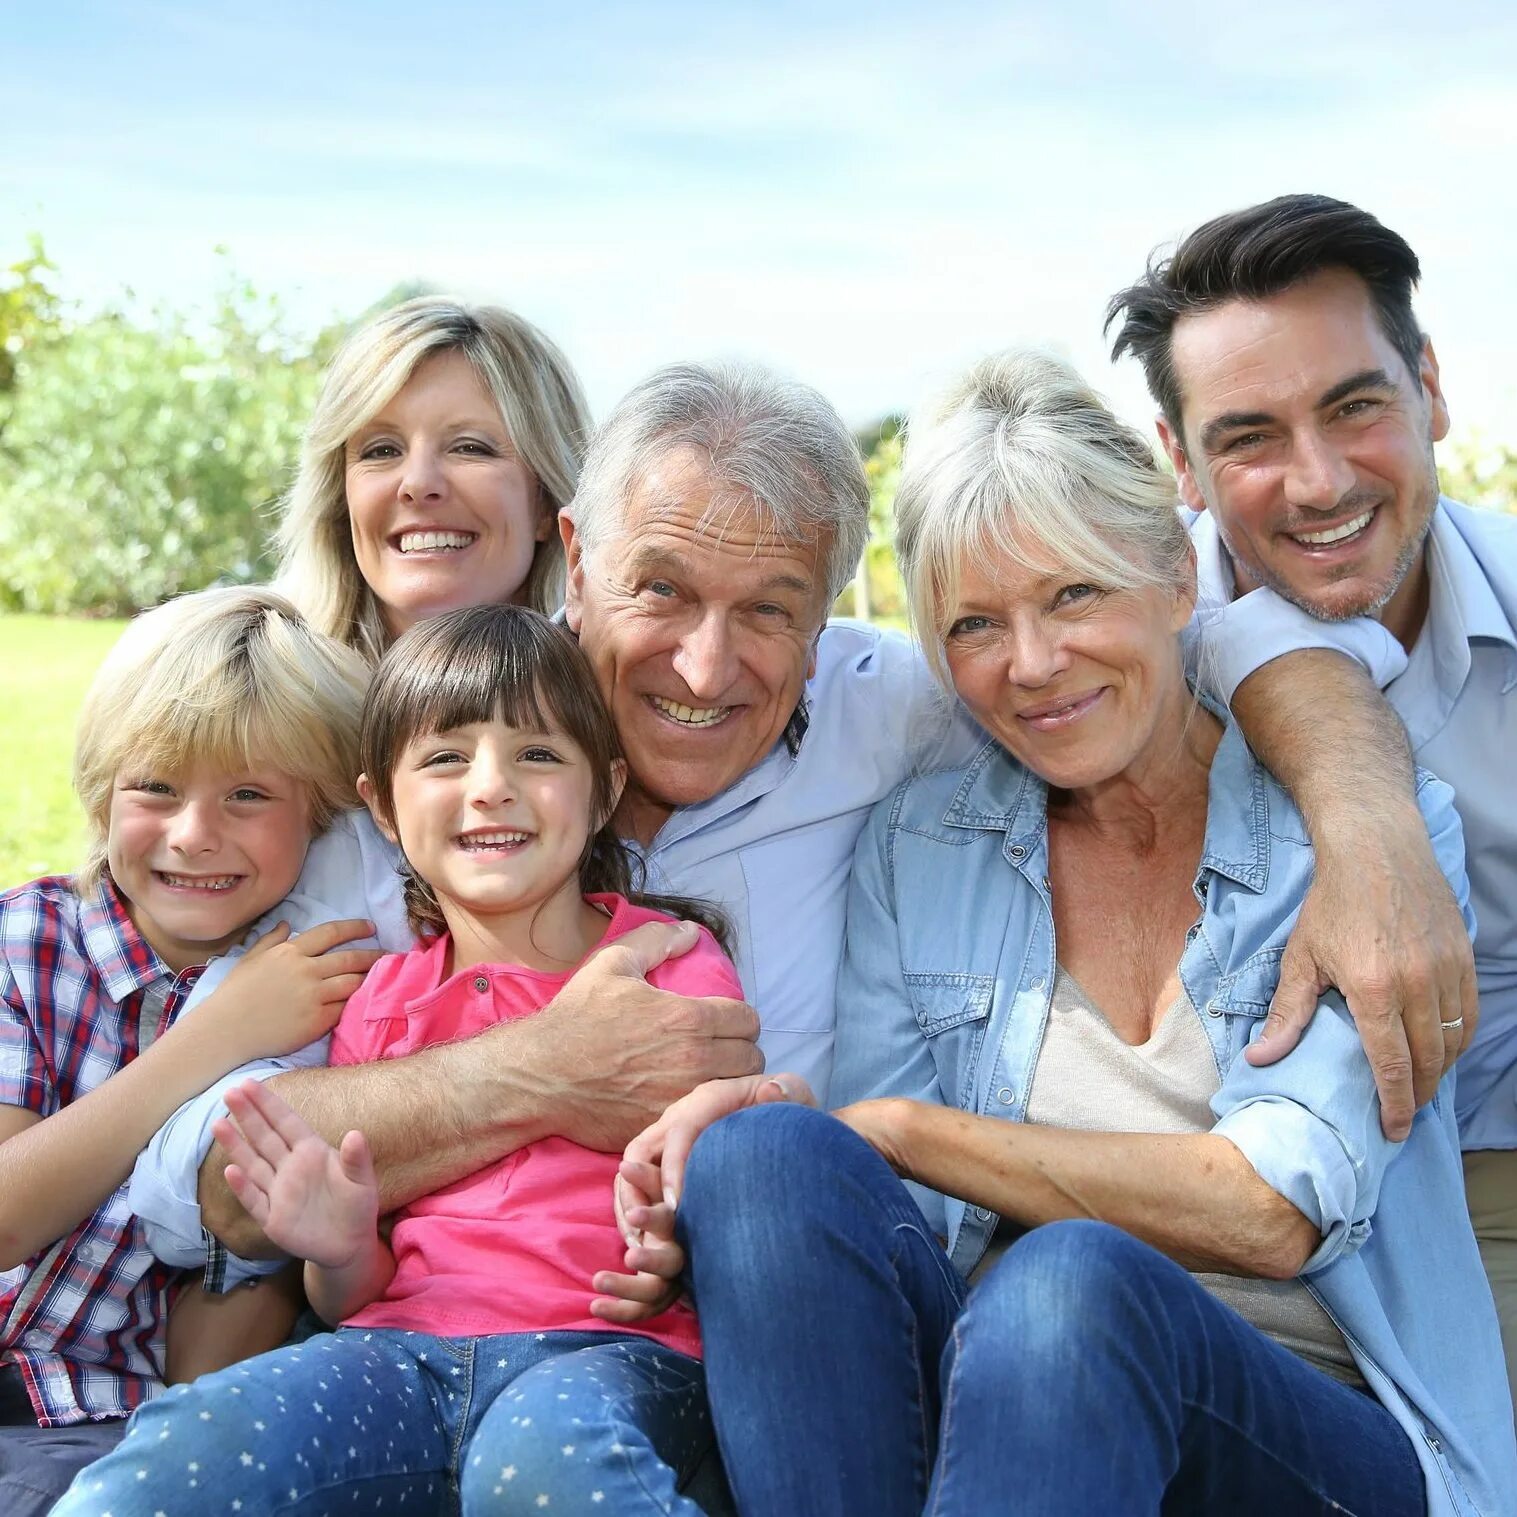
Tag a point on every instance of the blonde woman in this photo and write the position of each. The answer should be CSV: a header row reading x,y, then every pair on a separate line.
x,y
446,440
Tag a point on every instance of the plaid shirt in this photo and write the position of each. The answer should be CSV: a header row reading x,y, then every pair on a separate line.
x,y
81,994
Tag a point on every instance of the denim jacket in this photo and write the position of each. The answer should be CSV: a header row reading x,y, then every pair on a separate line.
x,y
943,996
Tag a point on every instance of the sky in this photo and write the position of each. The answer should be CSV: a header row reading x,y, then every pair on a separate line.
x,y
866,197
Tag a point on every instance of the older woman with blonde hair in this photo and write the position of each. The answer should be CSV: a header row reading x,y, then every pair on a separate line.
x,y
1130,1270
446,440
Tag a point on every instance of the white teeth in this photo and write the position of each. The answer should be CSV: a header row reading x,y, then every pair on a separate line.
x,y
690,716
196,882
493,839
418,542
1334,534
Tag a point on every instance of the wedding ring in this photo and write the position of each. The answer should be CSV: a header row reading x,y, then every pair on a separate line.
x,y
1453,1026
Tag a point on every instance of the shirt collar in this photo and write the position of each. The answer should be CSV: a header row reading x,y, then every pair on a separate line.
x,y
997,794
1462,604
124,960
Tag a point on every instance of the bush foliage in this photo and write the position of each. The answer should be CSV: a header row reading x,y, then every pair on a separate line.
x,y
140,458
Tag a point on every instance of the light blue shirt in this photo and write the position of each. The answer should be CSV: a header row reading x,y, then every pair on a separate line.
x,y
773,850
944,996
1457,694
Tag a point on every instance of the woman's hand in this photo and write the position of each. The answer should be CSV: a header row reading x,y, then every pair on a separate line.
x,y
882,1124
648,1186
286,992
312,1200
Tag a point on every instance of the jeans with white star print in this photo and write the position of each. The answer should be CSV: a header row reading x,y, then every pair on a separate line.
x,y
378,1420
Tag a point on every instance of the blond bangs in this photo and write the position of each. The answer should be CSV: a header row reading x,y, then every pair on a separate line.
x,y
232,680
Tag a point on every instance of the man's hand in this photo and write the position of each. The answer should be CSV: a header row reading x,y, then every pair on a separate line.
x,y
610,1052
1381,923
648,1186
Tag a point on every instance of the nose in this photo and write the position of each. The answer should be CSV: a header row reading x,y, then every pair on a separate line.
x,y
1317,475
706,659
1036,655
491,783
193,828
422,477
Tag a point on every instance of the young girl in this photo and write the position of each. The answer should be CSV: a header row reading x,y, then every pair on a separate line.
x,y
220,734
468,1359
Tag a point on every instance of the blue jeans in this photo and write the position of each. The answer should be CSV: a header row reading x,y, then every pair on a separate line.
x,y
376,1420
851,1371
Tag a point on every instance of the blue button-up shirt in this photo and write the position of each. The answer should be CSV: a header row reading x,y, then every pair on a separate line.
x,y
1457,694
773,850
944,996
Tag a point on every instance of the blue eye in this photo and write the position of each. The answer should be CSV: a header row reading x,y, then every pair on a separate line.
x,y
967,626
1073,593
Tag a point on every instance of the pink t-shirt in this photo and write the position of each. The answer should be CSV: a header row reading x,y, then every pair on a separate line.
x,y
512,1248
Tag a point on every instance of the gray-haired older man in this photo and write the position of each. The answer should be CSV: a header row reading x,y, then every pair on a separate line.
x,y
719,513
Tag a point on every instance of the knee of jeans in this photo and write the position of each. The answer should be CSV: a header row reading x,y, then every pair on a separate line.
x,y
515,1461
1062,1289
752,1157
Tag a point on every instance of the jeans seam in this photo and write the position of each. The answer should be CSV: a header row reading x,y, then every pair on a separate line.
x,y
943,1422
461,1427
1271,1455
924,1431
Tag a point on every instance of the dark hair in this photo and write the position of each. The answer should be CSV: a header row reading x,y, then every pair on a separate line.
x,y
1251,255
514,665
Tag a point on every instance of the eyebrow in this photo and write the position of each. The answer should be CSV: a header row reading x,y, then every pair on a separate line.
x,y
651,560
1232,421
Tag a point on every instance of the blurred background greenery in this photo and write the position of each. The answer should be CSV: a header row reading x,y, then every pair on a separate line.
x,y
142,454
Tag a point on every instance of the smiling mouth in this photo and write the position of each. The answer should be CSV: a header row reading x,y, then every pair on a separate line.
x,y
503,840
433,542
1052,715
206,884
690,716
1331,537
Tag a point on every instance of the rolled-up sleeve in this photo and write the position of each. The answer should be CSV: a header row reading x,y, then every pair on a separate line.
x,y
165,1182
1232,641
1310,1124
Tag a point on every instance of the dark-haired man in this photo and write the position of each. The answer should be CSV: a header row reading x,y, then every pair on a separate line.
x,y
1300,404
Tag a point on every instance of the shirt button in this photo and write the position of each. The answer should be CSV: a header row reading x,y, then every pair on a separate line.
x,y
1047,883
1006,1095
983,1213
1037,984
481,984
1016,851
1212,1009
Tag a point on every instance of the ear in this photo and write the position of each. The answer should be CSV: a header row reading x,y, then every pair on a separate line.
x,y
816,644
1185,477
574,567
1432,387
370,798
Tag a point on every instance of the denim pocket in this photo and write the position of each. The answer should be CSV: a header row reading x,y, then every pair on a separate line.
x,y
945,1000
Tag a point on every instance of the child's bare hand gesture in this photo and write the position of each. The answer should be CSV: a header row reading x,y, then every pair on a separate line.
x,y
315,1201
286,992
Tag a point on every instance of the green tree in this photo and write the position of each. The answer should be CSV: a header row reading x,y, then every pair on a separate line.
x,y
139,460
1481,473
29,312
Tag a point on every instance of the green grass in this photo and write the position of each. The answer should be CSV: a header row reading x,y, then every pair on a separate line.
x,y
46,663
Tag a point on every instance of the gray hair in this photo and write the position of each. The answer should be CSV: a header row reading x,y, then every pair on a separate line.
x,y
1020,459
768,441
540,404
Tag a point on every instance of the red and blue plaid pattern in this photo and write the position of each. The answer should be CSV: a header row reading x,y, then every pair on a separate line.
x,y
81,994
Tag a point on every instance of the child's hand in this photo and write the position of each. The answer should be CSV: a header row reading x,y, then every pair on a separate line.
x,y
286,992
654,1260
312,1200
